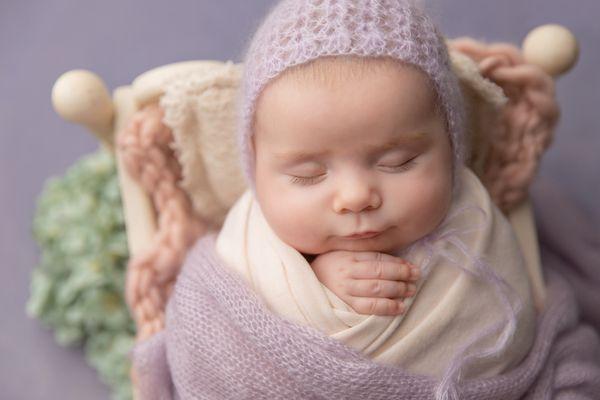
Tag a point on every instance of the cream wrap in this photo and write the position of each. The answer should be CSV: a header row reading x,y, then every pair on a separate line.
x,y
450,306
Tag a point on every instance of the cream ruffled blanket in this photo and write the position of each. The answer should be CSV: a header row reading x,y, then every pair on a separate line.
x,y
451,306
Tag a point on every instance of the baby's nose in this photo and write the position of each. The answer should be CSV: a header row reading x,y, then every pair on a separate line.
x,y
356,198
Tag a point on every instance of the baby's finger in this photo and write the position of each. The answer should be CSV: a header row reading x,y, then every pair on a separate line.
x,y
384,267
376,306
380,288
374,255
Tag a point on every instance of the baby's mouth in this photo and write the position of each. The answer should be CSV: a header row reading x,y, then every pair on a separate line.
x,y
363,235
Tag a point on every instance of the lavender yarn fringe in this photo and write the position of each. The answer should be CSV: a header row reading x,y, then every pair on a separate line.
x,y
448,386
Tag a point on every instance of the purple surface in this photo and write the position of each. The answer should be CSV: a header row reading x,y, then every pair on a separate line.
x,y
119,40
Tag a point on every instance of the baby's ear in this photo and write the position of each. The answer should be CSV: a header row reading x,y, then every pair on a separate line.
x,y
256,129
252,142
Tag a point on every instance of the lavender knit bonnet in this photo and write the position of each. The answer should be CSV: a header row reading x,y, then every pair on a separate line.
x,y
299,31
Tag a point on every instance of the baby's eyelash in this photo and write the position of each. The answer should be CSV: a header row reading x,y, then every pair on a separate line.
x,y
405,166
303,180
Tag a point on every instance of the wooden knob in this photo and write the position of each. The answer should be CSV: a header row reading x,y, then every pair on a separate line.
x,y
80,96
552,47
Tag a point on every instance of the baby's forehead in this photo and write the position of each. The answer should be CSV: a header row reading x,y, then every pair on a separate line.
x,y
340,75
381,87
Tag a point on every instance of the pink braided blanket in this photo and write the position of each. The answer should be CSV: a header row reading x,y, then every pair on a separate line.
x,y
221,343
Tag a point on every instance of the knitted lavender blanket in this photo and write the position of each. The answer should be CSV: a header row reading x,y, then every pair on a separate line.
x,y
222,343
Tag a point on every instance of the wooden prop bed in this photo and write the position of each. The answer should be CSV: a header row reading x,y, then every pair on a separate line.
x,y
176,188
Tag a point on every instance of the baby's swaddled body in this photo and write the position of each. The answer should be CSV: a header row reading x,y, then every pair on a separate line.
x,y
451,306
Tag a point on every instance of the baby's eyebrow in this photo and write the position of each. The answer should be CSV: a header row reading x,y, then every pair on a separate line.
x,y
295,155
403,140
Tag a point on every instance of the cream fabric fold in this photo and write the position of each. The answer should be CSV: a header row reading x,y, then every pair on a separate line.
x,y
450,306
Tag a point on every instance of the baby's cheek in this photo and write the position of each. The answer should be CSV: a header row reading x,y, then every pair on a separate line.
x,y
295,221
437,202
428,203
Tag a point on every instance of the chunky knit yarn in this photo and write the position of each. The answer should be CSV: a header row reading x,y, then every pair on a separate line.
x,y
300,31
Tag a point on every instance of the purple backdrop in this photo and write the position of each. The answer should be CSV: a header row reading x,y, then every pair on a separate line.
x,y
119,40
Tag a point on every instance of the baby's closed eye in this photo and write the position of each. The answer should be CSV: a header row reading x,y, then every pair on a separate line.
x,y
307,173
393,164
305,180
402,165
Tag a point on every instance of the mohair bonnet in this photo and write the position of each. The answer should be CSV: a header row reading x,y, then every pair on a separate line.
x,y
295,32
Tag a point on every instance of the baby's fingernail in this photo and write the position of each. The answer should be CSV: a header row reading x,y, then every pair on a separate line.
x,y
415,273
410,289
400,308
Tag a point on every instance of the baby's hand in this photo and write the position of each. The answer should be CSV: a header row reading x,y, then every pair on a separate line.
x,y
368,281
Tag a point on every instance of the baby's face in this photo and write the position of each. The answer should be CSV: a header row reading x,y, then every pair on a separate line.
x,y
363,154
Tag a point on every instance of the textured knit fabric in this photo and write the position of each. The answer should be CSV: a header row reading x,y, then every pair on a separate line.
x,y
451,306
200,110
299,31
222,343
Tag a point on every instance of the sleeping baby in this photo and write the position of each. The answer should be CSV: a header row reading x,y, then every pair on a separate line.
x,y
361,221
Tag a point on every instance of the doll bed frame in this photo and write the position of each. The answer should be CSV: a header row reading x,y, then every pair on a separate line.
x,y
80,96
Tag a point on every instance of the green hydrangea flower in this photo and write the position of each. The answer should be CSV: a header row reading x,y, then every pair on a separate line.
x,y
77,288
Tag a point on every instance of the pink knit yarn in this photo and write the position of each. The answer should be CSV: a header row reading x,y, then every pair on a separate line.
x,y
145,147
519,135
300,31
